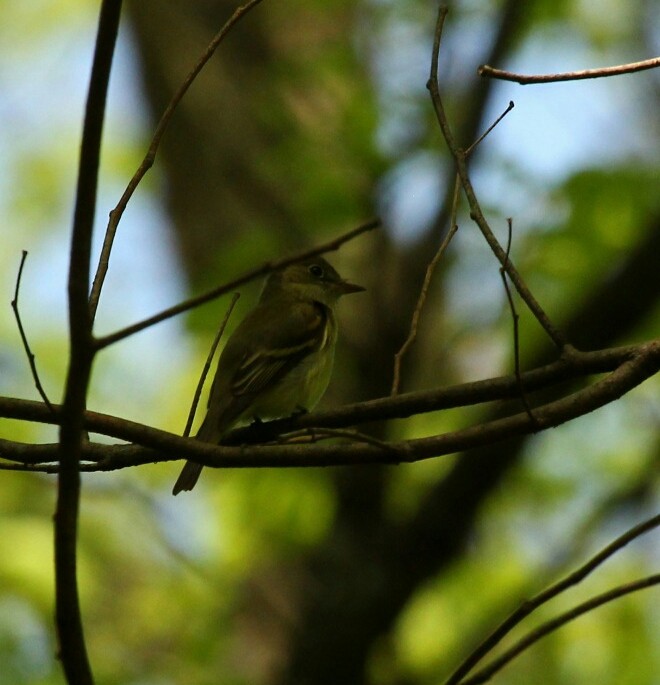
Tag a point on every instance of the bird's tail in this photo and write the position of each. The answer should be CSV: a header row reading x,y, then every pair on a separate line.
x,y
209,431
187,478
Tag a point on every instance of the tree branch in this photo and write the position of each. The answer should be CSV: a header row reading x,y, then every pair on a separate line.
x,y
213,294
527,607
24,340
428,275
485,674
490,72
148,161
207,365
476,214
72,649
629,367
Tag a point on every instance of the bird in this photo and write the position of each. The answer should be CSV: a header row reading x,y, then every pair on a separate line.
x,y
279,360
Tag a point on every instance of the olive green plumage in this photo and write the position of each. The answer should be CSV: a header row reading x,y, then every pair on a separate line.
x,y
279,359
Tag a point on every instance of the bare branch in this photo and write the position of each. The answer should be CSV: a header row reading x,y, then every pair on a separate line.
x,y
526,608
509,107
515,320
630,367
72,648
476,214
490,72
453,228
567,368
148,161
421,300
21,330
262,270
207,365
554,624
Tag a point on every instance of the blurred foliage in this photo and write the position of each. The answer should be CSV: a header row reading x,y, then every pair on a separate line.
x,y
312,117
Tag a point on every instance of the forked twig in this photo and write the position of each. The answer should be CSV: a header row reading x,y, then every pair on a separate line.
x,y
430,269
526,608
148,161
207,365
476,213
26,345
490,72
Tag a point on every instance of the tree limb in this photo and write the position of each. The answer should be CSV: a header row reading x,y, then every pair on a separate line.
x,y
72,648
631,369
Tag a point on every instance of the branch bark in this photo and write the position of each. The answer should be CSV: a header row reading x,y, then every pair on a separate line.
x,y
72,648
525,79
629,367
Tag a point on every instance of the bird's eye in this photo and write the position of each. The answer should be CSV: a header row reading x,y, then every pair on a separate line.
x,y
316,271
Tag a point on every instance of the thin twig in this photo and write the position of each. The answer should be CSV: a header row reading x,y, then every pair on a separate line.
x,y
475,209
148,161
262,270
21,330
485,674
490,72
527,607
421,300
314,435
515,320
509,107
207,365
443,11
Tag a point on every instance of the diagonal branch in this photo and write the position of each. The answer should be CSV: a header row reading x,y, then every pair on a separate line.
x,y
213,294
430,269
485,674
148,161
476,213
527,607
207,365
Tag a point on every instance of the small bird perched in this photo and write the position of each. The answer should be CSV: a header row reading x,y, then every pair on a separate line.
x,y
279,359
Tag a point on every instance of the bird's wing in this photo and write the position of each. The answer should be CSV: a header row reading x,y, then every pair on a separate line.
x,y
281,336
299,332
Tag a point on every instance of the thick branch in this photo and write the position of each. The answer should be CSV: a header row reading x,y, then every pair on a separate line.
x,y
73,651
631,370
567,368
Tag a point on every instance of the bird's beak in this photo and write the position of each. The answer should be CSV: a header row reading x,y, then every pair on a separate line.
x,y
346,288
